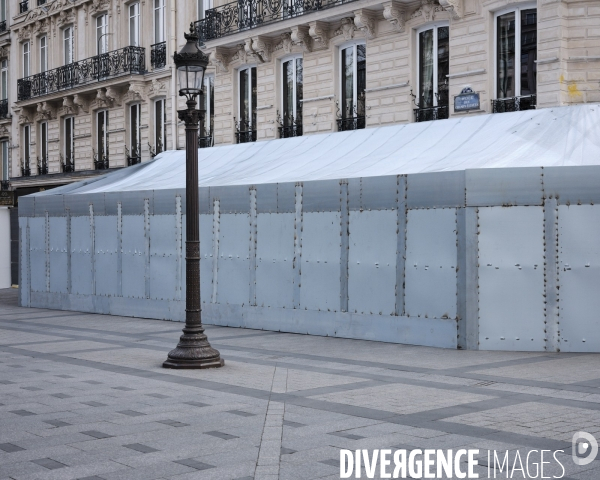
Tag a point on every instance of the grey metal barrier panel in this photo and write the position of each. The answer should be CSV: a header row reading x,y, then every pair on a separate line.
x,y
98,201
504,186
266,198
373,193
286,197
164,253
205,206
78,205
572,185
437,189
58,255
318,196
233,263
54,205
132,203
232,199
164,202
106,255
27,206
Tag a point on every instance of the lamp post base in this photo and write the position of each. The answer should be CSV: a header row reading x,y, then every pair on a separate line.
x,y
193,351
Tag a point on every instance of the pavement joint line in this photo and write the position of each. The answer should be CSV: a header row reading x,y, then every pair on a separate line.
x,y
472,389
364,412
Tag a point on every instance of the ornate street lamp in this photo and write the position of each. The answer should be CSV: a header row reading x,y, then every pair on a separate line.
x,y
193,349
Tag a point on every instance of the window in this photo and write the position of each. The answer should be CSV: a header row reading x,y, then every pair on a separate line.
x,y
134,25
43,54
68,45
43,160
135,143
4,152
2,10
4,80
101,160
246,127
69,161
516,53
25,169
354,79
434,62
291,109
159,21
203,6
208,105
160,126
26,55
101,33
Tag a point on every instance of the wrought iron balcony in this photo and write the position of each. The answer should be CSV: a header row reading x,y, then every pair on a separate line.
x,y
42,166
351,123
23,6
25,168
101,162
3,26
514,104
429,114
4,109
4,185
68,165
205,141
289,126
244,132
158,55
134,157
243,15
125,61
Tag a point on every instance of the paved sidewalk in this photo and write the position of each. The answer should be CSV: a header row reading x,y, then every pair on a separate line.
x,y
84,396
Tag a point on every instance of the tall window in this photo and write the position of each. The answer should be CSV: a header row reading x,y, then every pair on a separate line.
x,y
68,45
160,125
2,10
354,82
434,62
291,111
246,128
208,105
43,161
4,152
134,134
516,44
159,21
25,168
4,80
26,57
203,6
43,54
69,161
134,25
101,33
102,138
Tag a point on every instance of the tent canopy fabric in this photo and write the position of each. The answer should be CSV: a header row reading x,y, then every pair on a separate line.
x,y
562,136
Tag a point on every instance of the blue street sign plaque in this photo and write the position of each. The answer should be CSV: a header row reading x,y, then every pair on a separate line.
x,y
466,101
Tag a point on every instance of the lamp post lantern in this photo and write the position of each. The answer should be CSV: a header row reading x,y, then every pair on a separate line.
x,y
193,349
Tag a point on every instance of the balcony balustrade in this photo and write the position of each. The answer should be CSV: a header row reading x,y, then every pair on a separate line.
x,y
351,123
206,141
101,162
25,168
245,132
125,61
158,55
42,165
4,185
514,104
134,157
244,15
68,164
428,114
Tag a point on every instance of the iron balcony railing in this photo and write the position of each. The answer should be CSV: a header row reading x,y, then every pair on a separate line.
x,y
125,61
68,164
42,166
244,132
428,114
4,185
101,162
205,141
289,126
23,6
158,55
514,104
25,168
3,26
4,108
351,123
133,157
246,14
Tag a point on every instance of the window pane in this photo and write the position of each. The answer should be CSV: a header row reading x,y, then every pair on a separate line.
x,y
528,52
299,91
348,83
244,99
361,79
44,140
443,59
27,141
102,125
288,92
426,68
68,140
4,161
211,105
254,97
158,117
506,55
135,130
4,86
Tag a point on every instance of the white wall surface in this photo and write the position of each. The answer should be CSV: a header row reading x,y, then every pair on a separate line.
x,y
4,248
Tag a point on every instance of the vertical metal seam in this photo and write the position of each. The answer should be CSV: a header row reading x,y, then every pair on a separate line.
x,y
297,265
401,216
252,246
216,235
93,248
147,247
47,248
178,247
551,273
119,249
344,245
28,253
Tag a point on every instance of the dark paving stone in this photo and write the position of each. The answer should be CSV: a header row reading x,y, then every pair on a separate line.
x,y
94,404
333,463
131,413
190,462
197,404
138,447
96,434
173,423
241,413
10,448
40,371
289,423
224,436
91,478
6,382
125,389
15,366
244,478
157,395
346,435
92,382
49,463
287,451
57,423
31,389
64,376
61,395
22,413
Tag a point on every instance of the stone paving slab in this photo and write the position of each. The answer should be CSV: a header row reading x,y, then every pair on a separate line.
x,y
84,397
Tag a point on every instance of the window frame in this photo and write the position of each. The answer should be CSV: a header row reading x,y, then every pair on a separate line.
x,y
430,26
43,133
163,102
160,11
136,16
70,119
138,107
43,42
68,42
208,97
102,47
26,59
517,10
290,58
202,6
105,144
4,152
4,80
251,105
27,145
341,49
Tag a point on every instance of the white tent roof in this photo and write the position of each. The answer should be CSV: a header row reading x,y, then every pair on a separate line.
x,y
565,136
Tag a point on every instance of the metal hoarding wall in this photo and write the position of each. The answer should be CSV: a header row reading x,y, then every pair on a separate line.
x,y
476,259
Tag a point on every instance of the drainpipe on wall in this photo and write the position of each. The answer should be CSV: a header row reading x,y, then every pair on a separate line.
x,y
174,117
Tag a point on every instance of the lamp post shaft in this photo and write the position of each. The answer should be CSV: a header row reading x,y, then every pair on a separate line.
x,y
193,350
